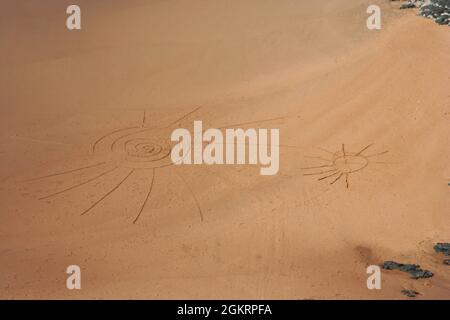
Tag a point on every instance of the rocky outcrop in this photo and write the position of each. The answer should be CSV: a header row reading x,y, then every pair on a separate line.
x,y
413,269
443,248
410,293
437,10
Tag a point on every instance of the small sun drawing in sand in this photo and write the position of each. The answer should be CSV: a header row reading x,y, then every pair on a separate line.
x,y
340,165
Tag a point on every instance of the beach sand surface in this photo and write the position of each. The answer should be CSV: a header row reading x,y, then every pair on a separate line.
x,y
139,69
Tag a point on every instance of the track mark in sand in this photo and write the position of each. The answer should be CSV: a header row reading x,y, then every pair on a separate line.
x,y
326,177
342,164
335,180
320,158
183,117
78,185
65,172
143,119
96,142
197,203
108,193
321,172
363,149
318,167
146,198
251,122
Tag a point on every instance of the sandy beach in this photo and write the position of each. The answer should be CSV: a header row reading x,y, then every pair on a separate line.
x,y
72,101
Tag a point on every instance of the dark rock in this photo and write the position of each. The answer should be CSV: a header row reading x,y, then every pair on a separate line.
x,y
407,5
413,269
421,274
445,249
438,10
441,20
410,293
442,248
391,265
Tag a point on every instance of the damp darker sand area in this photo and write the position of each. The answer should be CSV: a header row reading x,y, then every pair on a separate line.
x,y
86,176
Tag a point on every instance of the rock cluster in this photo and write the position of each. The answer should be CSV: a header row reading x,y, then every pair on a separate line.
x,y
442,248
445,249
413,269
410,293
438,10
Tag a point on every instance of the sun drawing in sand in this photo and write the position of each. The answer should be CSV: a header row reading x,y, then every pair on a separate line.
x,y
130,152
341,164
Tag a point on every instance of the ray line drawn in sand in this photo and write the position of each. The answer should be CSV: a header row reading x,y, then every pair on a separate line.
x,y
108,193
344,154
247,144
251,122
317,173
331,175
320,158
343,163
197,203
146,197
65,172
364,149
183,117
318,167
79,184
143,119
340,176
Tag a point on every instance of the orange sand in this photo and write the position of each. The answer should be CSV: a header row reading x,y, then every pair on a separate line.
x,y
311,65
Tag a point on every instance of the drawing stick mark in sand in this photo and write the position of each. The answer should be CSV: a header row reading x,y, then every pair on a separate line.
x,y
94,145
318,167
328,176
96,142
342,164
321,172
147,197
250,122
143,119
79,184
65,172
108,193
144,149
193,196
183,117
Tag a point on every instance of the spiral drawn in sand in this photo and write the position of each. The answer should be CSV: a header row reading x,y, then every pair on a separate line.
x,y
135,149
128,151
341,164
